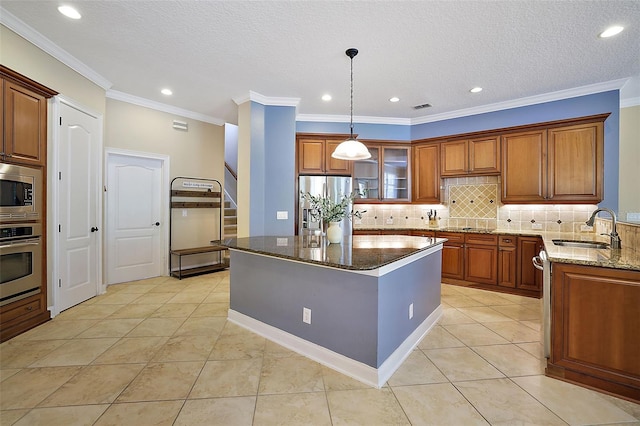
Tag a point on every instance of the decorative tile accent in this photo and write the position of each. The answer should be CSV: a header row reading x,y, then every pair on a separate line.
x,y
473,201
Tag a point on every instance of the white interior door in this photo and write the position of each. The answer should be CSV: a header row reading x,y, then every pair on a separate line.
x,y
135,243
78,233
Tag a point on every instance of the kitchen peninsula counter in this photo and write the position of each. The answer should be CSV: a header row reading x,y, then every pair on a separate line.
x,y
359,307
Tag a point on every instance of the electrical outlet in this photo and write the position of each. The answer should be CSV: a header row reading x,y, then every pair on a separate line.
x,y
306,315
536,226
390,221
184,212
586,228
282,215
411,311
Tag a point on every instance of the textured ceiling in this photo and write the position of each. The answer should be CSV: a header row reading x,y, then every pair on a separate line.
x,y
210,52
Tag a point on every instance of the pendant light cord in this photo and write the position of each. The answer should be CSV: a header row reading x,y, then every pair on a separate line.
x,y
351,123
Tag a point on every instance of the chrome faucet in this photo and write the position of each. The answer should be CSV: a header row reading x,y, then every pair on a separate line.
x,y
616,243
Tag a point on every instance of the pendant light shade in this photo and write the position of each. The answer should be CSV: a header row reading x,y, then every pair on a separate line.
x,y
351,149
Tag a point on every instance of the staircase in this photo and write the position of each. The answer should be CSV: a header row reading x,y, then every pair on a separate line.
x,y
230,221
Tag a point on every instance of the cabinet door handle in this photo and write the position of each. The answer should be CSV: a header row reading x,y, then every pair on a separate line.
x,y
157,224
94,229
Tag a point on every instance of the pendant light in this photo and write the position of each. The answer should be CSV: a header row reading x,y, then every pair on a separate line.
x,y
351,149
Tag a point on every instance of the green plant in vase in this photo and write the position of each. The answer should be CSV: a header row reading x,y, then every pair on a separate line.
x,y
325,210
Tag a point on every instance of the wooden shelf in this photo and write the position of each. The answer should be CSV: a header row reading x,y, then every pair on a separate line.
x,y
195,204
184,193
212,200
188,272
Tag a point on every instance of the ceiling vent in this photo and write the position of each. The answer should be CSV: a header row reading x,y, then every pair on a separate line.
x,y
422,106
180,125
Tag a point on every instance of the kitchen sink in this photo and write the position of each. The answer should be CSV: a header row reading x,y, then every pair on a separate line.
x,y
581,244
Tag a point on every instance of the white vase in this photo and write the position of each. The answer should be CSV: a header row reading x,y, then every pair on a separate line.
x,y
334,233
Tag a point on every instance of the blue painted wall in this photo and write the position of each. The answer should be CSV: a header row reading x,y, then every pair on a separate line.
x,y
280,173
392,132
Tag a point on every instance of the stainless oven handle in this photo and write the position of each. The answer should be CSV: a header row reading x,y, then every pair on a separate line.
x,y
537,263
21,244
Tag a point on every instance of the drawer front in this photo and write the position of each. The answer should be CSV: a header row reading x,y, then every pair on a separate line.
x,y
26,310
506,241
481,239
452,237
423,233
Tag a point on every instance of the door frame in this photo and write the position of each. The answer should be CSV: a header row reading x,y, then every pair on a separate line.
x,y
53,198
164,199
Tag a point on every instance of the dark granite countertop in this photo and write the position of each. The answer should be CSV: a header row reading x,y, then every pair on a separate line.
x,y
359,253
626,258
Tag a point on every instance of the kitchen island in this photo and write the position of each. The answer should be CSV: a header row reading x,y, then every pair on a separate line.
x,y
359,307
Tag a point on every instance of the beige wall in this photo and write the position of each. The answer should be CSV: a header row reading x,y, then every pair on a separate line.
x,y
27,59
629,174
198,152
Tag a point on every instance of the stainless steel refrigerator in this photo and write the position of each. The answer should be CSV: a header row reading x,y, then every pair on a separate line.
x,y
331,186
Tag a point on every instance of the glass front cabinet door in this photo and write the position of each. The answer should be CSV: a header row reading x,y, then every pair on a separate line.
x,y
383,177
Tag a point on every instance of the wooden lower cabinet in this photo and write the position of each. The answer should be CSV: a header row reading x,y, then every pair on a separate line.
x,y
481,258
452,255
507,261
529,278
595,328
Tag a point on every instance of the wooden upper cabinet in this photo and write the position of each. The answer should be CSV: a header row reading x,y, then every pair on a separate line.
x,y
524,167
25,125
311,156
426,173
470,157
455,157
334,165
484,156
559,164
314,156
575,163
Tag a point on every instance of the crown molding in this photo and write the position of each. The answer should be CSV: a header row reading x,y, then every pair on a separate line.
x,y
629,102
356,119
531,100
266,100
34,37
158,106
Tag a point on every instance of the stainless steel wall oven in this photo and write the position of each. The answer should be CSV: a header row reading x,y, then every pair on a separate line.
x,y
21,252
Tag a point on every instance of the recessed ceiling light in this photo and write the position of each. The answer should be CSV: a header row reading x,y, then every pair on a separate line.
x,y
167,92
69,12
476,90
611,31
326,98
394,99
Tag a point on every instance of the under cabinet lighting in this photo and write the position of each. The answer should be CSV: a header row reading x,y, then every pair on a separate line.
x,y
394,99
326,98
476,90
167,92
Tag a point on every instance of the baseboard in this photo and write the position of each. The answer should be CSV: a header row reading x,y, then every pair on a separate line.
x,y
375,377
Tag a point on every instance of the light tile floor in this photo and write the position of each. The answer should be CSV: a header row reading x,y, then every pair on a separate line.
x,y
161,352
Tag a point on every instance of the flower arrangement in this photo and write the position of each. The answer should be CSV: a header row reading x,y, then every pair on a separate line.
x,y
324,209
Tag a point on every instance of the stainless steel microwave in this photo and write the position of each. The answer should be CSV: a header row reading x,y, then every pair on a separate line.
x,y
20,193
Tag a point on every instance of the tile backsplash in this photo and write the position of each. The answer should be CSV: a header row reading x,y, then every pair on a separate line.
x,y
481,213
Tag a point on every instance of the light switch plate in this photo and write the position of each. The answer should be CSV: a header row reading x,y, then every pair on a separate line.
x,y
282,215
